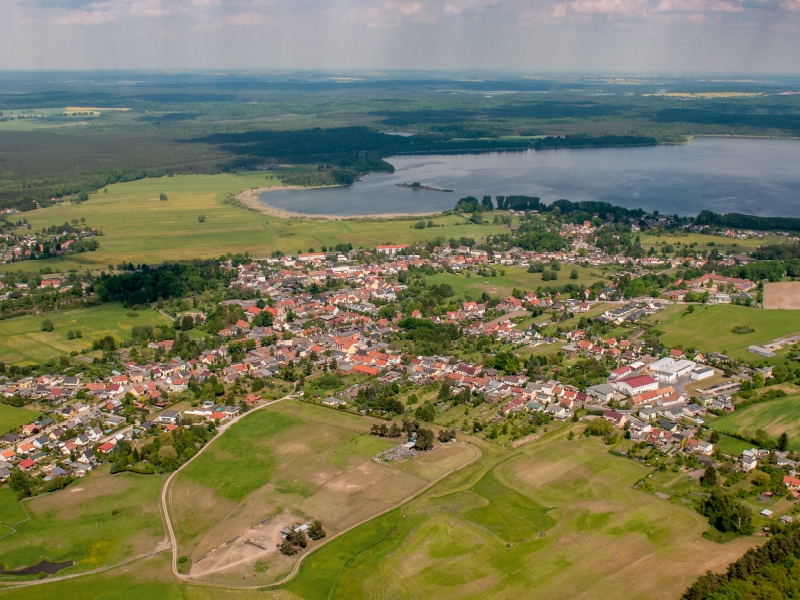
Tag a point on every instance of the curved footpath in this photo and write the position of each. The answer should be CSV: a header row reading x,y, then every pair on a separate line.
x,y
173,542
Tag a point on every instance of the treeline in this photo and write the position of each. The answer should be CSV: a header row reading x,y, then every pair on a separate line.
x,y
769,571
739,221
147,285
586,141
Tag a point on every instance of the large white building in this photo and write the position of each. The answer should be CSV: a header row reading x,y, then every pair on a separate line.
x,y
670,373
635,385
391,249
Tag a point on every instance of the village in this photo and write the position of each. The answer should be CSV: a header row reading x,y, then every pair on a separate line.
x,y
352,330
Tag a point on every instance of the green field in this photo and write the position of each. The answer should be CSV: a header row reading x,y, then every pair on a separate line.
x,y
22,340
515,277
97,521
12,417
722,244
138,227
556,519
709,328
291,461
773,416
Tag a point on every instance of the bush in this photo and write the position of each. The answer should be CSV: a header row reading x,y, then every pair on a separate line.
x,y
47,325
599,427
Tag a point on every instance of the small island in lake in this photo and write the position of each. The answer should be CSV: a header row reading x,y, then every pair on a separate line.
x,y
418,186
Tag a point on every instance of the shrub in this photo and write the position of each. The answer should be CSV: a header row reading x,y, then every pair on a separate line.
x,y
599,427
47,325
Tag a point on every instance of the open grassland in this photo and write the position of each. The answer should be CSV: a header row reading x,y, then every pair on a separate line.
x,y
709,328
100,520
515,277
12,417
138,227
773,416
557,519
704,242
290,462
22,340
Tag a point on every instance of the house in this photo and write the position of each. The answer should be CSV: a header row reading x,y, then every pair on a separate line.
x,y
621,372
793,483
748,462
170,416
30,429
335,402
616,418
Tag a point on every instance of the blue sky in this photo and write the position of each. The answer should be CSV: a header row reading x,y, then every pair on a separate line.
x,y
535,35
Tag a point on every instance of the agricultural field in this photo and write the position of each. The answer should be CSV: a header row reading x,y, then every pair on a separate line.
x,y
100,520
138,227
515,277
709,328
22,340
290,462
705,242
12,417
555,519
773,416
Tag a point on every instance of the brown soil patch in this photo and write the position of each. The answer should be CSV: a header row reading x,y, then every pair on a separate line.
x,y
359,493
782,296
238,555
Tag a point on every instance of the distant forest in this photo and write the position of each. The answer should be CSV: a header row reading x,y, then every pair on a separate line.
x,y
202,123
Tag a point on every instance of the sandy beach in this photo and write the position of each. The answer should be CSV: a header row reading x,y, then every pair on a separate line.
x,y
250,199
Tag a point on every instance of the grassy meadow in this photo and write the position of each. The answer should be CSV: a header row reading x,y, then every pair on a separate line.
x,y
22,340
12,417
556,519
290,462
773,416
138,227
515,277
709,328
704,242
100,520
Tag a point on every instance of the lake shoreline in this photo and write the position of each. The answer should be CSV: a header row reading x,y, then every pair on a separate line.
x,y
751,175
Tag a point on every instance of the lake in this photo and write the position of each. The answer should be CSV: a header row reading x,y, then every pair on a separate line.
x,y
744,175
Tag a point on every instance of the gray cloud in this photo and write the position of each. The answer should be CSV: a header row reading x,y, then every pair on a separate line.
x,y
731,35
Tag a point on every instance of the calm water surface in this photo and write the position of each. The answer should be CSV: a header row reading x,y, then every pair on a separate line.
x,y
751,176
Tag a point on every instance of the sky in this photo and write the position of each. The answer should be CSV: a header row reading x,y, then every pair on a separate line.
x,y
739,36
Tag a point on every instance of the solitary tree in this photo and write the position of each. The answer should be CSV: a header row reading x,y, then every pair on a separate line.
x,y
424,439
47,325
162,196
783,442
709,478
